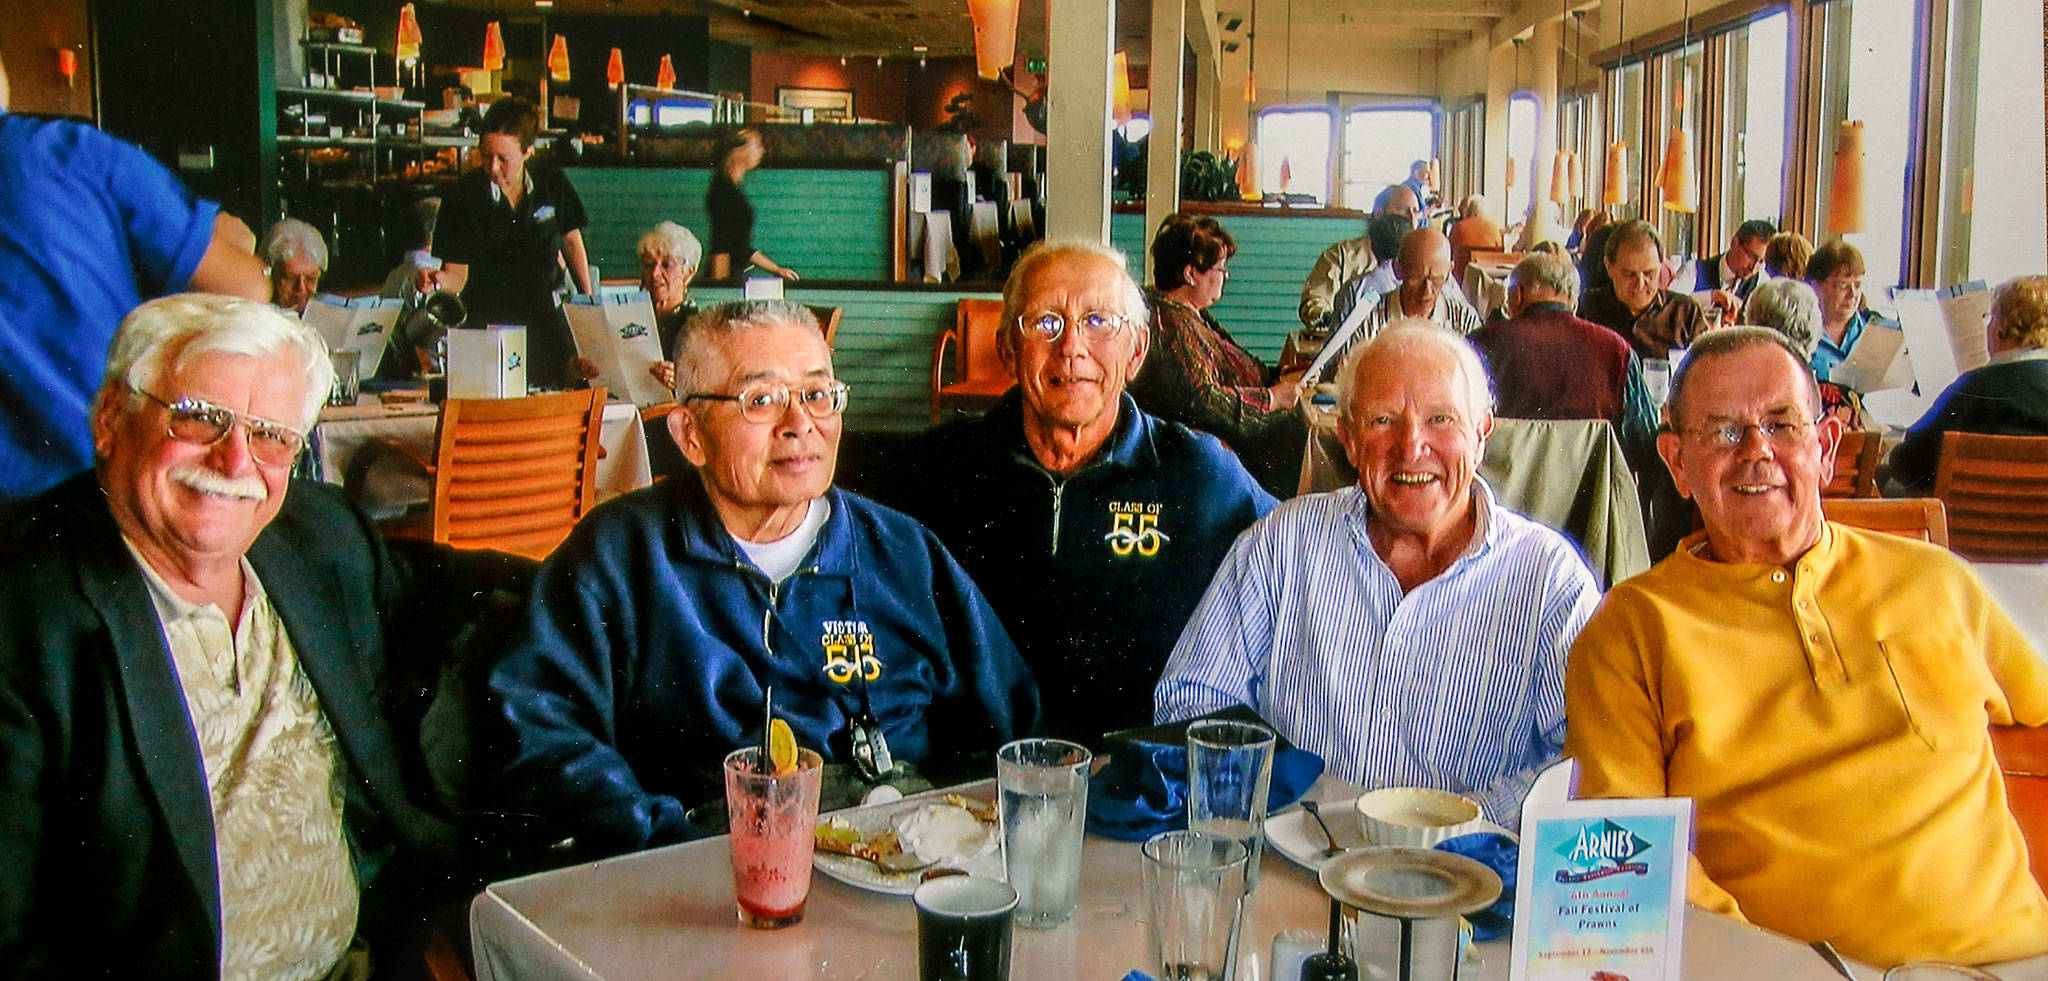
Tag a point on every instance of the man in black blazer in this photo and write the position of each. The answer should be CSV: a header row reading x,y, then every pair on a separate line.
x,y
2007,397
205,766
1739,269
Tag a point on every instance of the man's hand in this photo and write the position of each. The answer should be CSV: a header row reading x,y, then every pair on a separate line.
x,y
664,372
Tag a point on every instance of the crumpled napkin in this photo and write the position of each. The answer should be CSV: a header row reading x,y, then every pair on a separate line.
x,y
1143,790
1499,853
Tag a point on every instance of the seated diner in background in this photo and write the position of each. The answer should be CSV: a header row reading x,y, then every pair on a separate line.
x,y
1739,269
655,630
1094,580
1197,375
1835,272
1788,306
1823,693
1547,363
1345,261
296,256
2007,397
1652,319
1409,629
1472,232
1786,254
206,667
1423,291
669,254
1385,232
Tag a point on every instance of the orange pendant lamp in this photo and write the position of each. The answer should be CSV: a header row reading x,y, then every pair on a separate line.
x,y
1614,179
1560,179
995,35
1576,168
615,70
558,59
408,35
1248,172
665,78
1845,190
494,48
1674,181
1436,181
1120,88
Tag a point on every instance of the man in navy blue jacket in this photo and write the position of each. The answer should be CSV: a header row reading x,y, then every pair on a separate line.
x,y
1092,526
655,628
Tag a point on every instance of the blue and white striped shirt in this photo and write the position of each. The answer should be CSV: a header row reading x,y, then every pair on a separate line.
x,y
1457,685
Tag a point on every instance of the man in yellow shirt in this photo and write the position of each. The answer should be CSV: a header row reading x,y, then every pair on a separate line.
x,y
1822,693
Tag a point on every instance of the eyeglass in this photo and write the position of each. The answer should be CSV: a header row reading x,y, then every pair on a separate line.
x,y
203,423
1048,325
1777,432
768,401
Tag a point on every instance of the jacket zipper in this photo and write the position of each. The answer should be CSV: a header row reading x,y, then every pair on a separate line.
x,y
1059,491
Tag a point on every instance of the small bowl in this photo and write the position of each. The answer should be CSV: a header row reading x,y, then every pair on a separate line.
x,y
1414,817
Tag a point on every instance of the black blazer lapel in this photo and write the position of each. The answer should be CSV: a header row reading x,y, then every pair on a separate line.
x,y
113,584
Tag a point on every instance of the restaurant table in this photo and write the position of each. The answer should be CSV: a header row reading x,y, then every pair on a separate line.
x,y
342,432
1486,287
669,913
931,244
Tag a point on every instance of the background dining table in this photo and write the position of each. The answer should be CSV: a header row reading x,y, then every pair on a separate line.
x,y
343,430
668,913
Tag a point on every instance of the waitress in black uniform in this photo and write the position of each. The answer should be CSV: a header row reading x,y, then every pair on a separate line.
x,y
732,215
506,231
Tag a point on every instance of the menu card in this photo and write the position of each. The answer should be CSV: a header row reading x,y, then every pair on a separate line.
x,y
617,332
1944,332
1877,362
1600,890
354,323
487,362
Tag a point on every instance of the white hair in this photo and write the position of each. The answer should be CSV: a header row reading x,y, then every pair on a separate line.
x,y
292,237
1789,307
1038,255
160,336
697,345
1416,330
671,239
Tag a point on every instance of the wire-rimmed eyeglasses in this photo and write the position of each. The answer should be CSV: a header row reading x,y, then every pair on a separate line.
x,y
768,401
202,423
1048,325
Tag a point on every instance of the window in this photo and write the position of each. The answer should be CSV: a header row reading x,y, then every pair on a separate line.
x,y
1752,170
1985,112
1521,154
1625,122
1869,48
1380,144
1464,148
1294,152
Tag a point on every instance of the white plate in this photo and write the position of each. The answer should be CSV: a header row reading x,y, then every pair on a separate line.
x,y
1294,834
864,874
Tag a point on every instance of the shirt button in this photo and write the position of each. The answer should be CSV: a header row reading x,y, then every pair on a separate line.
x,y
1778,576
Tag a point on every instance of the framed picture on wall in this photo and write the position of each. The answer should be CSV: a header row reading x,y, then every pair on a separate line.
x,y
821,103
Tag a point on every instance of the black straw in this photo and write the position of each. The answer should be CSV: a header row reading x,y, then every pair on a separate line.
x,y
764,763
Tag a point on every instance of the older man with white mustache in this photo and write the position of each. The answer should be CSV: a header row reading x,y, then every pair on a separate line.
x,y
1411,630
199,775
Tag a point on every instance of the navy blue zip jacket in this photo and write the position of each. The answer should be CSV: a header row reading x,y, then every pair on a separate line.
x,y
650,638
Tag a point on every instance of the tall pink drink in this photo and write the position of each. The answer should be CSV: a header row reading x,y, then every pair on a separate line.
x,y
774,821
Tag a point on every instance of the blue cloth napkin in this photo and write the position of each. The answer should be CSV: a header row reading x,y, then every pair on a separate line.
x,y
1500,853
1144,789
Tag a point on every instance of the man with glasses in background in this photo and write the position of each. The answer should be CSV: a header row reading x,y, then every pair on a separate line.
x,y
1822,692
1092,525
1423,269
205,714
656,629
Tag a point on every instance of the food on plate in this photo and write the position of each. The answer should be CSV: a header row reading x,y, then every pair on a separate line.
x,y
951,831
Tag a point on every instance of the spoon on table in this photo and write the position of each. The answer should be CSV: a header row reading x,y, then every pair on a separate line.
x,y
1317,812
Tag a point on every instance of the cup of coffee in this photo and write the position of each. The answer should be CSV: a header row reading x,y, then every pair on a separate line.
x,y
963,928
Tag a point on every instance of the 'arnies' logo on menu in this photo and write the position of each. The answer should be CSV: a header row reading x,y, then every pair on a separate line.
x,y
1134,528
1600,850
849,649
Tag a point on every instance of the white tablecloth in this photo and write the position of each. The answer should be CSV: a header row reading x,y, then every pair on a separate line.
x,y
931,241
668,913
343,431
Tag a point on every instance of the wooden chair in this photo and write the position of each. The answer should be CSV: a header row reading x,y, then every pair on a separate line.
x,y
1996,491
828,321
509,474
2022,753
1855,466
980,378
1910,517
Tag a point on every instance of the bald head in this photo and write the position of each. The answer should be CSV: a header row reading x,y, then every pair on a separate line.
x,y
1398,199
1423,267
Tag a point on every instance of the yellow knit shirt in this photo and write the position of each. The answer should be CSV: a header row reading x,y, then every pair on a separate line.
x,y
1830,721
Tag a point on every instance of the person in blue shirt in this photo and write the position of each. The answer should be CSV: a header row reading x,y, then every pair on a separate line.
x,y
1836,274
653,632
1092,526
92,227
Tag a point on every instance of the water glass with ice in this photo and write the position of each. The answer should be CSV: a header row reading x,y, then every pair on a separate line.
x,y
1230,768
1194,903
1043,784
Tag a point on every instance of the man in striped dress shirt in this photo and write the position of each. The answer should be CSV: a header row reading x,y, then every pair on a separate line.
x,y
1410,630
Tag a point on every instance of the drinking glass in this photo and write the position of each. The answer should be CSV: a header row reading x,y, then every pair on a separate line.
x,y
1194,900
1043,784
1230,768
963,929
774,823
347,380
